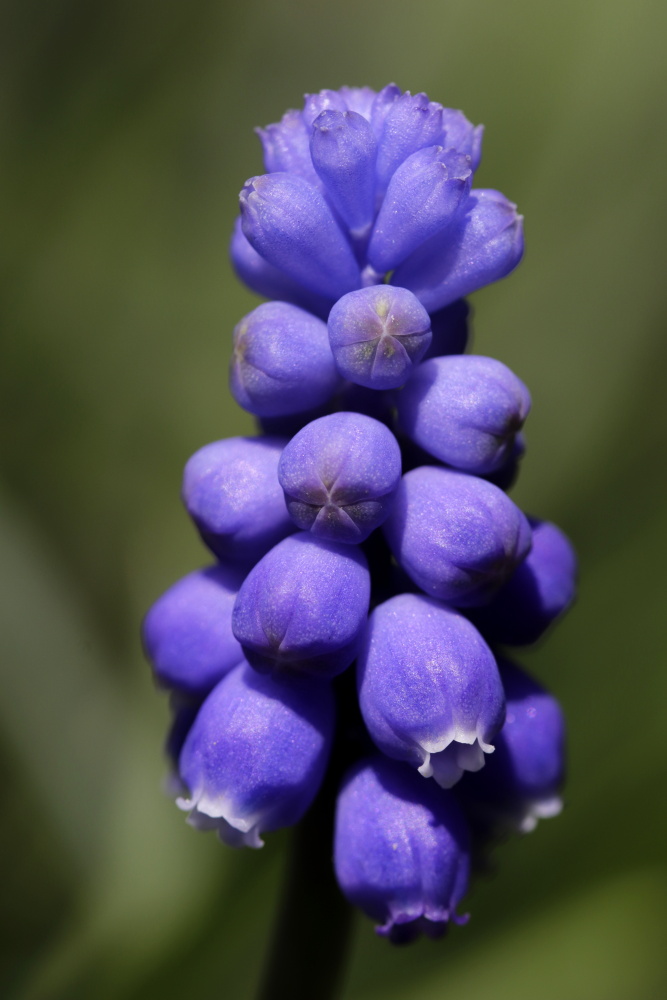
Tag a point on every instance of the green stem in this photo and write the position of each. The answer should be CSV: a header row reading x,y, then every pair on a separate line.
x,y
308,952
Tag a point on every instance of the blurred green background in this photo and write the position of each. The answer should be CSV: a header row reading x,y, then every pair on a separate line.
x,y
126,135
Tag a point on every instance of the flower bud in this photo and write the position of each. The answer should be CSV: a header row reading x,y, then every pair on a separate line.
x,y
429,688
268,281
539,590
255,756
286,147
282,361
460,134
303,607
411,123
359,99
315,104
423,198
188,634
465,411
339,475
486,245
343,149
382,104
458,537
231,492
289,223
378,335
401,850
521,783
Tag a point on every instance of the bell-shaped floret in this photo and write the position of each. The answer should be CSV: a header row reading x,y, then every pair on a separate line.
x,y
343,149
339,475
231,492
522,780
382,104
187,634
539,590
462,135
289,223
377,335
450,328
429,688
282,361
485,245
424,197
255,756
359,99
286,146
401,850
324,100
269,281
303,607
466,411
411,123
458,537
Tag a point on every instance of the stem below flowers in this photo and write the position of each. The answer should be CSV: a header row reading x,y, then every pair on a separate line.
x,y
312,929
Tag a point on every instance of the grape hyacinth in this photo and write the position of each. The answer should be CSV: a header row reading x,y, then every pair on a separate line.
x,y
368,521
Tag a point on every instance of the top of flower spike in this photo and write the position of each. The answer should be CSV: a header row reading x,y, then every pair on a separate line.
x,y
359,183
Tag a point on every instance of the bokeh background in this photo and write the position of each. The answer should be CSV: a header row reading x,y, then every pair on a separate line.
x,y
126,135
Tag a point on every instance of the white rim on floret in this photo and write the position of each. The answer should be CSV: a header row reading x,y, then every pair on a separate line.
x,y
218,813
539,809
446,759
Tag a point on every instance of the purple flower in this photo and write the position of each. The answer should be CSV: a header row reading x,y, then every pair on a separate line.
x,y
522,782
458,537
188,632
466,411
360,183
339,475
401,850
424,197
429,688
484,246
378,335
282,363
289,223
343,150
255,756
231,492
303,607
539,590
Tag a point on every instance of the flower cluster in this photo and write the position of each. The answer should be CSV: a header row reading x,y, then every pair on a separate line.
x,y
368,522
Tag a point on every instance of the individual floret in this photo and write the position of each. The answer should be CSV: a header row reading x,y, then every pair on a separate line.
x,y
378,335
429,688
458,537
255,756
523,779
188,634
401,850
538,592
231,492
303,607
466,411
339,475
282,362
